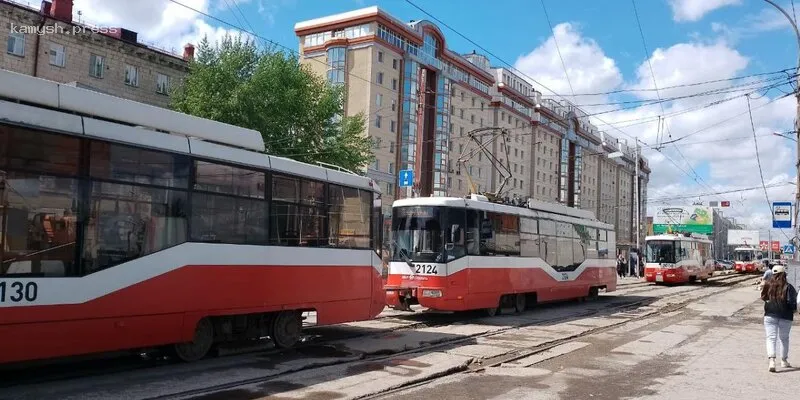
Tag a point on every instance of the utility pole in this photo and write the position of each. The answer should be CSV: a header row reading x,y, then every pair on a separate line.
x,y
796,256
636,193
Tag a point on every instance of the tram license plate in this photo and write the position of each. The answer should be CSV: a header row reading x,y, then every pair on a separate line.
x,y
659,278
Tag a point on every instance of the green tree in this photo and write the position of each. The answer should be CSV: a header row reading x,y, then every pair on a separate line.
x,y
298,113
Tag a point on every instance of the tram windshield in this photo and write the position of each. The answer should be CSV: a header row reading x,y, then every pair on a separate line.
x,y
662,251
743,255
417,234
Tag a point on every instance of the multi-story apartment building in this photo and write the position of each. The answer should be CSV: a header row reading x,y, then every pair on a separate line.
x,y
423,101
47,43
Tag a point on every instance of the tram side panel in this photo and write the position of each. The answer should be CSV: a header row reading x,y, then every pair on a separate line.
x,y
158,299
478,282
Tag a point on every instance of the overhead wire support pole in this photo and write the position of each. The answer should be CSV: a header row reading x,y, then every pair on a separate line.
x,y
797,131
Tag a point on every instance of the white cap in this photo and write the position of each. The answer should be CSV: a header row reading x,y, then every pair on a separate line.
x,y
778,269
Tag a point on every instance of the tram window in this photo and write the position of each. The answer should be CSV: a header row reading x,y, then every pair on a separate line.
x,y
564,258
529,245
528,225
581,244
127,222
225,179
506,234
40,225
130,164
547,227
33,150
228,219
603,244
548,248
348,216
285,188
313,193
529,239
473,234
455,233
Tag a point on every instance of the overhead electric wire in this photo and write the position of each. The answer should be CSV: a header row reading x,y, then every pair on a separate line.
x,y
558,49
683,85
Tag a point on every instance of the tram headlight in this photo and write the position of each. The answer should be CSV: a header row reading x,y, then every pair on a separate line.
x,y
431,293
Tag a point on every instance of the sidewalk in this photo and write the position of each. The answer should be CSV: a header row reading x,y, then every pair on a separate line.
x,y
730,362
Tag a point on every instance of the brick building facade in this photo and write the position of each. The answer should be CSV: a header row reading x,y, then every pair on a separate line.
x,y
47,43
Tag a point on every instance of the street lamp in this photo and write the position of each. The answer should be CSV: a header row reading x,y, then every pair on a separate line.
x,y
797,131
619,154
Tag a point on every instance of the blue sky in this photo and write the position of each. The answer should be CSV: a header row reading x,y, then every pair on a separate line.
x,y
688,41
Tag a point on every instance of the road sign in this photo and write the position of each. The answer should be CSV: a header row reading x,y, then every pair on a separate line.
x,y
788,249
713,204
725,203
406,177
781,214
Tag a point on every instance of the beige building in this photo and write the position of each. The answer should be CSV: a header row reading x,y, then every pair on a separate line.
x,y
423,100
47,43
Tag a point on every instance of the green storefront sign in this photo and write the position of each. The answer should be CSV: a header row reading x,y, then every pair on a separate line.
x,y
694,219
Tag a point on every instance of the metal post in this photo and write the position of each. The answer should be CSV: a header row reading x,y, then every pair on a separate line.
x,y
636,193
769,245
796,256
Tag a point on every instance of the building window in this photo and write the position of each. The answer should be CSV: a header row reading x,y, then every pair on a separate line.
x,y
380,56
391,167
16,44
380,78
336,63
96,65
131,75
394,105
57,55
162,84
394,84
379,100
391,147
392,126
378,121
472,119
394,63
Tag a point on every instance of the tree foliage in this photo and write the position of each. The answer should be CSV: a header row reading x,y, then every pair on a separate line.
x,y
299,114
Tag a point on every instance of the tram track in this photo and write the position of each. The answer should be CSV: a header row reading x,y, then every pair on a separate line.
x,y
433,320
477,366
728,282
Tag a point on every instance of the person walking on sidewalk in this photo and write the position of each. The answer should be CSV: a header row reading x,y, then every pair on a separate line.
x,y
780,304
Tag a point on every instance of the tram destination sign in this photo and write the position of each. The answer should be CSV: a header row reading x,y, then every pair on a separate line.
x,y
694,219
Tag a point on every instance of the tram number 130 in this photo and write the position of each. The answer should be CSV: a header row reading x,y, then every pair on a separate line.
x,y
16,292
425,269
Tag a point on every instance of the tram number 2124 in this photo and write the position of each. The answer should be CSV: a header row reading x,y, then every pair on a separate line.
x,y
425,269
16,292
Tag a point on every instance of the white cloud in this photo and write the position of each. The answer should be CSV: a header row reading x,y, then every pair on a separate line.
x,y
694,10
589,69
171,29
728,160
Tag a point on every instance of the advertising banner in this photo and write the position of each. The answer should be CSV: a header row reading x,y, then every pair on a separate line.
x,y
694,219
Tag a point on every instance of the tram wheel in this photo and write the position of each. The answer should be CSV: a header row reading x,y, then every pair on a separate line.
x,y
594,293
200,344
519,302
286,329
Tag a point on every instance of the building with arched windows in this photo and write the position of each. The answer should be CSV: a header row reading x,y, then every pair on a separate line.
x,y
422,100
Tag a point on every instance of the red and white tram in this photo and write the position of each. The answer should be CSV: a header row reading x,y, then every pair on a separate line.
x,y
456,254
127,226
678,258
747,259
